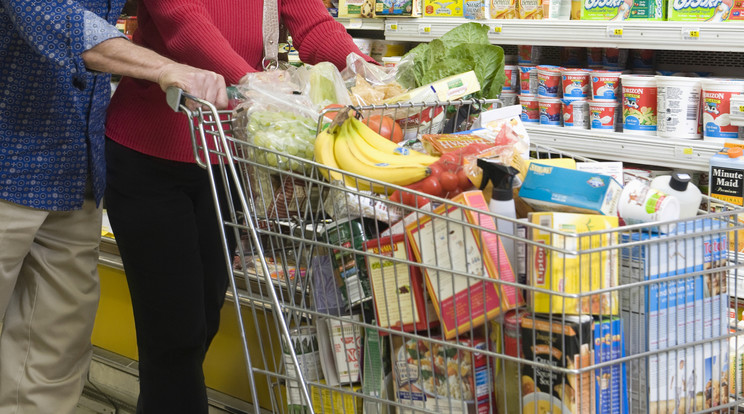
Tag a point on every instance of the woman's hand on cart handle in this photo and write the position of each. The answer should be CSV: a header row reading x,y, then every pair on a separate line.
x,y
198,83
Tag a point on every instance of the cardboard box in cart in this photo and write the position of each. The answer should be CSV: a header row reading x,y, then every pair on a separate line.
x,y
568,273
441,379
673,312
462,302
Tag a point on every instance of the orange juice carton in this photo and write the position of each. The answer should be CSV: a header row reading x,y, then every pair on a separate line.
x,y
562,267
551,188
440,378
398,291
461,242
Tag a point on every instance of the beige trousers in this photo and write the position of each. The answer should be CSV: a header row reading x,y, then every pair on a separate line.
x,y
49,292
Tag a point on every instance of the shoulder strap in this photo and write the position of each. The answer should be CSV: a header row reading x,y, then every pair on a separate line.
x,y
270,34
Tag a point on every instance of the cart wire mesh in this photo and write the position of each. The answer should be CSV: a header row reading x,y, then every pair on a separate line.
x,y
376,306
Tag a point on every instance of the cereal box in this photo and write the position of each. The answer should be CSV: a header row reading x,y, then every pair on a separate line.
x,y
705,10
350,8
441,379
623,10
555,270
462,302
434,8
398,8
530,9
563,343
674,312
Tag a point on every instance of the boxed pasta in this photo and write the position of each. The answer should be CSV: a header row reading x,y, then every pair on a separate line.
x,y
398,291
442,240
611,386
441,379
555,270
563,343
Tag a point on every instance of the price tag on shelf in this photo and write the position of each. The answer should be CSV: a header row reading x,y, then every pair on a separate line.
x,y
354,24
391,27
684,152
615,32
497,29
691,33
424,29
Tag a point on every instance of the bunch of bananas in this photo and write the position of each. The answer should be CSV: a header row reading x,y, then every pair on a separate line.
x,y
356,148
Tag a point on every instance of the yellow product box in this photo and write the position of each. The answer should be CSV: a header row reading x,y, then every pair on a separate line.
x,y
444,240
337,402
530,9
554,269
435,8
503,9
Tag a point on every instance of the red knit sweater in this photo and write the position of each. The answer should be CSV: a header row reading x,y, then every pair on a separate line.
x,y
224,36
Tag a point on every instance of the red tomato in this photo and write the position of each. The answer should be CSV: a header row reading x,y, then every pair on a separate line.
x,y
449,160
431,185
463,180
407,198
421,201
385,126
435,169
449,181
332,114
454,193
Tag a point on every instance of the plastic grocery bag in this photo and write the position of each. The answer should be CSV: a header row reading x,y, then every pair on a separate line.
x,y
369,84
276,115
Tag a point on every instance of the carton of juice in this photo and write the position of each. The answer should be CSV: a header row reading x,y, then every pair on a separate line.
x,y
554,269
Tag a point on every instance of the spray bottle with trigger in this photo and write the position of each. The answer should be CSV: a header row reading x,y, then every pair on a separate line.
x,y
504,179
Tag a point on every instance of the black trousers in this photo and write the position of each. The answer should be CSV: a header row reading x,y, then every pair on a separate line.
x,y
163,217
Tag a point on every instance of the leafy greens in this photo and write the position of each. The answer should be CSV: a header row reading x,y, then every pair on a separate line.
x,y
464,48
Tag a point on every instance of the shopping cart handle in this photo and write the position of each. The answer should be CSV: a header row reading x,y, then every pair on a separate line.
x,y
175,98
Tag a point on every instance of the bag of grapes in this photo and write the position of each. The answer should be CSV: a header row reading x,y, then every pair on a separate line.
x,y
277,118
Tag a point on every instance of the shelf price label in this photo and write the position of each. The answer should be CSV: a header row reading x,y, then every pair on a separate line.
x,y
424,29
615,32
391,27
691,34
684,152
354,24
497,29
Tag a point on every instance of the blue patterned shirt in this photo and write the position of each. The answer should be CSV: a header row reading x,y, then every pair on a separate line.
x,y
52,109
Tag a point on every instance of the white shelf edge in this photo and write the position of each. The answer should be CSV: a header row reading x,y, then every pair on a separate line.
x,y
643,35
638,149
358,23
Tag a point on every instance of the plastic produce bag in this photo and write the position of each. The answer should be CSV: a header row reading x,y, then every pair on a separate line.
x,y
325,85
369,84
275,116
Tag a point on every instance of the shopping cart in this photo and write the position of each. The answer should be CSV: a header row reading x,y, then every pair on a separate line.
x,y
379,306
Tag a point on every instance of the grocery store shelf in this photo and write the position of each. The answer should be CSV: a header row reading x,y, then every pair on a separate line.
x,y
361,24
725,37
639,149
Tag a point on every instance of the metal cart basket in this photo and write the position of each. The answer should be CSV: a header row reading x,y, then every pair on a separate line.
x,y
375,306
